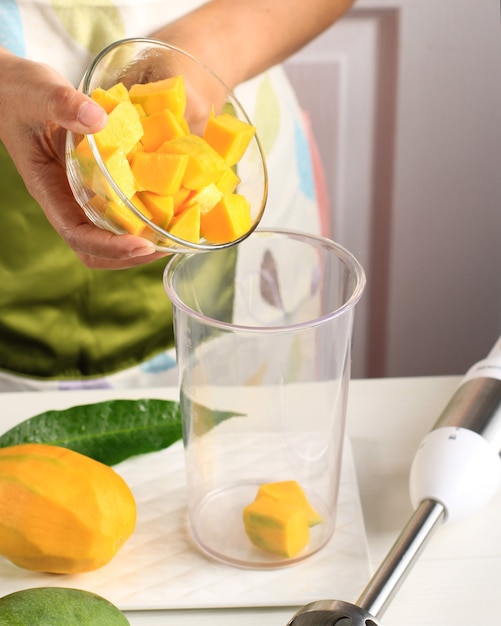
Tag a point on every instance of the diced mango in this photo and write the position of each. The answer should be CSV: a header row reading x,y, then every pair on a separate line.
x,y
109,98
186,225
180,199
140,110
167,93
290,491
173,177
159,172
159,128
161,207
86,160
229,181
119,169
119,214
229,136
206,198
205,165
228,220
123,129
277,527
141,207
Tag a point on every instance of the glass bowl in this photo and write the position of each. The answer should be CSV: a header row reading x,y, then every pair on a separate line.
x,y
109,182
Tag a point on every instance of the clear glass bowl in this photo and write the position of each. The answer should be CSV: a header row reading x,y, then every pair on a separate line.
x,y
145,60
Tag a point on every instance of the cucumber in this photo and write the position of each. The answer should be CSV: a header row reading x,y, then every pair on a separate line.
x,y
110,431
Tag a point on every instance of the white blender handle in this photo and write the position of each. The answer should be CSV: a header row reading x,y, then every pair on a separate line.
x,y
458,462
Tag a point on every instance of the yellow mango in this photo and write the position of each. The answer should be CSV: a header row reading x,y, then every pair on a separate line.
x,y
140,110
229,181
290,491
159,128
161,207
181,198
120,170
186,225
277,527
86,160
123,129
121,215
168,93
206,198
60,511
229,136
159,172
228,220
205,165
109,98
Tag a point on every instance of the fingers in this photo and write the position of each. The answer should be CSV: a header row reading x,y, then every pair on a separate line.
x,y
41,106
97,248
72,110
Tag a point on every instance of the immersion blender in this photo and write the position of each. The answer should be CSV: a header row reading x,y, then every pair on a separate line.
x,y
455,471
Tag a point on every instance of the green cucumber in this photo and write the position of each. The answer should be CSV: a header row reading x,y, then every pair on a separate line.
x,y
113,430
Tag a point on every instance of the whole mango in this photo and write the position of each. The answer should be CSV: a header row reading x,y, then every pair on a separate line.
x,y
61,511
58,606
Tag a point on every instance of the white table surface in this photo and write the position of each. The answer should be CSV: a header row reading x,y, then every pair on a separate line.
x,y
456,579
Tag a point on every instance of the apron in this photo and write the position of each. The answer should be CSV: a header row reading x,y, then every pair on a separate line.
x,y
63,325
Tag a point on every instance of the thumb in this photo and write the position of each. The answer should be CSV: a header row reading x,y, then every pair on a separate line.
x,y
74,111
91,117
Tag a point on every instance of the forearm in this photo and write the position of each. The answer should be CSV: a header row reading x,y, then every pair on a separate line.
x,y
239,39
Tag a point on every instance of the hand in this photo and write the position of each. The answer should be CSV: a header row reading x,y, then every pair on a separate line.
x,y
37,106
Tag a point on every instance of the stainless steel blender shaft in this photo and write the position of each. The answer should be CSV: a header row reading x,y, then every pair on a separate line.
x,y
467,434
385,582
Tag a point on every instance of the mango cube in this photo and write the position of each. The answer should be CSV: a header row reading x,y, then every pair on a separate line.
x,y
121,215
168,93
159,172
123,129
161,207
159,128
119,169
205,165
291,492
228,220
229,136
109,98
186,225
277,527
229,181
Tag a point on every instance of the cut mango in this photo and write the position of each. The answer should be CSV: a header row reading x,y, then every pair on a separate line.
x,y
291,492
123,216
161,207
184,183
120,171
123,129
277,527
206,198
228,220
159,172
109,98
159,128
168,93
229,181
186,225
229,136
205,165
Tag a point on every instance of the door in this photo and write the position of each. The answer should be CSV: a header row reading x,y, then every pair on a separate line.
x,y
404,97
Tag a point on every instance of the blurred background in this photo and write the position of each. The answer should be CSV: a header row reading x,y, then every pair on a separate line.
x,y
404,98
